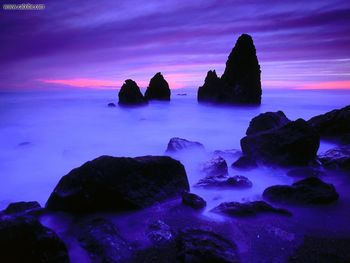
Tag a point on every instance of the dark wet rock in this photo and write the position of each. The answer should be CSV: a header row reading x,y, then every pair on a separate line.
x,y
159,233
305,172
244,162
23,208
307,191
111,105
333,124
204,246
158,88
24,239
267,121
102,241
345,139
237,181
247,209
216,167
240,82
295,143
193,200
322,250
118,184
130,94
178,144
24,144
337,158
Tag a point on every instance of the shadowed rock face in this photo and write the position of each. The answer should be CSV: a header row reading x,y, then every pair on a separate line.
x,y
308,191
193,200
240,82
158,88
178,144
267,121
337,158
333,124
24,239
118,183
130,94
295,143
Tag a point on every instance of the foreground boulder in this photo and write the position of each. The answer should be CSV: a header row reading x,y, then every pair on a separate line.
x,y
101,240
333,124
295,143
337,158
119,183
305,172
178,144
216,167
193,200
308,191
158,88
240,82
159,233
267,121
199,245
322,250
24,239
247,209
130,94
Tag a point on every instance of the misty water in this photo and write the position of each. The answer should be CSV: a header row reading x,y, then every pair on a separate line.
x,y
45,134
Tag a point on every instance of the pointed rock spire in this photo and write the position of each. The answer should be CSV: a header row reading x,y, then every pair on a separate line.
x,y
130,94
158,88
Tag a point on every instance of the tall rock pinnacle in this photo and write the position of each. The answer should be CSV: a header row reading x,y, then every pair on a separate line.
x,y
240,82
158,88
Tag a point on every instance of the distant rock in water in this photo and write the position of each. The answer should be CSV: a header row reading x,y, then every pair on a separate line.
x,y
240,83
334,124
307,191
178,144
193,200
111,105
23,208
158,88
118,184
130,94
295,143
216,167
267,121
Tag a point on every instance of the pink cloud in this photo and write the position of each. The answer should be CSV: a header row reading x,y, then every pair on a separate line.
x,y
83,82
344,84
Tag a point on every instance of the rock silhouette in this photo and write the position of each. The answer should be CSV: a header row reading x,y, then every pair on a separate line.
x,y
240,83
118,184
158,88
267,121
130,94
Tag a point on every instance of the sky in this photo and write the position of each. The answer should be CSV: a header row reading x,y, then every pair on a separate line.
x,y
99,44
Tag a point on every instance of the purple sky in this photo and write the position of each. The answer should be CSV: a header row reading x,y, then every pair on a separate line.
x,y
300,44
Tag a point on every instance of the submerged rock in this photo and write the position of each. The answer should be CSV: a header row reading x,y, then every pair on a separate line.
x,y
322,250
130,94
333,124
216,167
159,232
119,183
237,181
111,105
240,82
178,144
24,239
199,245
267,121
101,240
305,172
231,153
158,88
193,200
336,158
244,162
307,191
23,208
295,143
247,209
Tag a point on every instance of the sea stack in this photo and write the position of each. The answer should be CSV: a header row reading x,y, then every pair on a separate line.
x,y
130,94
240,83
158,88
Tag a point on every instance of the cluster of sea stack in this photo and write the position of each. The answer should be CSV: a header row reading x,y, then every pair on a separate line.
x,y
117,184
